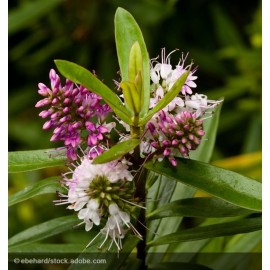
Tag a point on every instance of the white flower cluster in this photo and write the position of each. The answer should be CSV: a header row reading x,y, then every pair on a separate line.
x,y
90,208
164,77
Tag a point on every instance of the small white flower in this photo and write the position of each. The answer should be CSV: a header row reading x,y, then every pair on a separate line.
x,y
90,214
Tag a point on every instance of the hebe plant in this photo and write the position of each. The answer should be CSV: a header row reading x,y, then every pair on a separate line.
x,y
122,187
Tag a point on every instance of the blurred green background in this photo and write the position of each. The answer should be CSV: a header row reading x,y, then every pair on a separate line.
x,y
223,38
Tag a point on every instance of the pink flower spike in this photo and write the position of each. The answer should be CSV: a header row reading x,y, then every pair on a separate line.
x,y
43,102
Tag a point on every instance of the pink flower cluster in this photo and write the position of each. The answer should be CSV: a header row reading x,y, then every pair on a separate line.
x,y
174,135
70,109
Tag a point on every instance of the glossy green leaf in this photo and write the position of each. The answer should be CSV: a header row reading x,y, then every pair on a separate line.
x,y
198,207
223,229
117,151
170,95
21,161
44,230
131,96
46,186
227,185
177,265
127,32
84,77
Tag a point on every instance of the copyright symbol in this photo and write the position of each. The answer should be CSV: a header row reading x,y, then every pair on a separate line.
x,y
16,260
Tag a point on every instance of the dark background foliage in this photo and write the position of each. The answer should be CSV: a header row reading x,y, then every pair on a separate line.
x,y
222,37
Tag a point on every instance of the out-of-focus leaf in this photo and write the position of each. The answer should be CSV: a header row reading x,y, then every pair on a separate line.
x,y
44,230
243,242
26,14
223,229
247,164
178,265
49,185
127,32
238,250
227,185
117,151
198,207
84,77
225,29
21,161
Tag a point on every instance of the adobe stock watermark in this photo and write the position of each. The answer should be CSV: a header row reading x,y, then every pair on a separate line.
x,y
58,261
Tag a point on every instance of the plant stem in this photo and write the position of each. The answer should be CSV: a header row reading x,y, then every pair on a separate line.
x,y
140,181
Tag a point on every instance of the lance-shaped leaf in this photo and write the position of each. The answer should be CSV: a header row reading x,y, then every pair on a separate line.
x,y
46,186
46,251
198,207
84,77
131,97
44,230
127,32
21,161
223,229
135,61
117,151
227,185
170,95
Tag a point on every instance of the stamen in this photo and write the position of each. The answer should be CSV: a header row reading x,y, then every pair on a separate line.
x,y
93,240
118,227
168,61
132,203
106,237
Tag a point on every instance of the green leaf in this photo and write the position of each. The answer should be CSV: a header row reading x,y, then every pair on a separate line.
x,y
239,253
223,229
127,32
227,185
135,61
38,250
243,242
26,14
117,151
131,96
46,186
84,77
22,161
170,95
198,207
44,230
